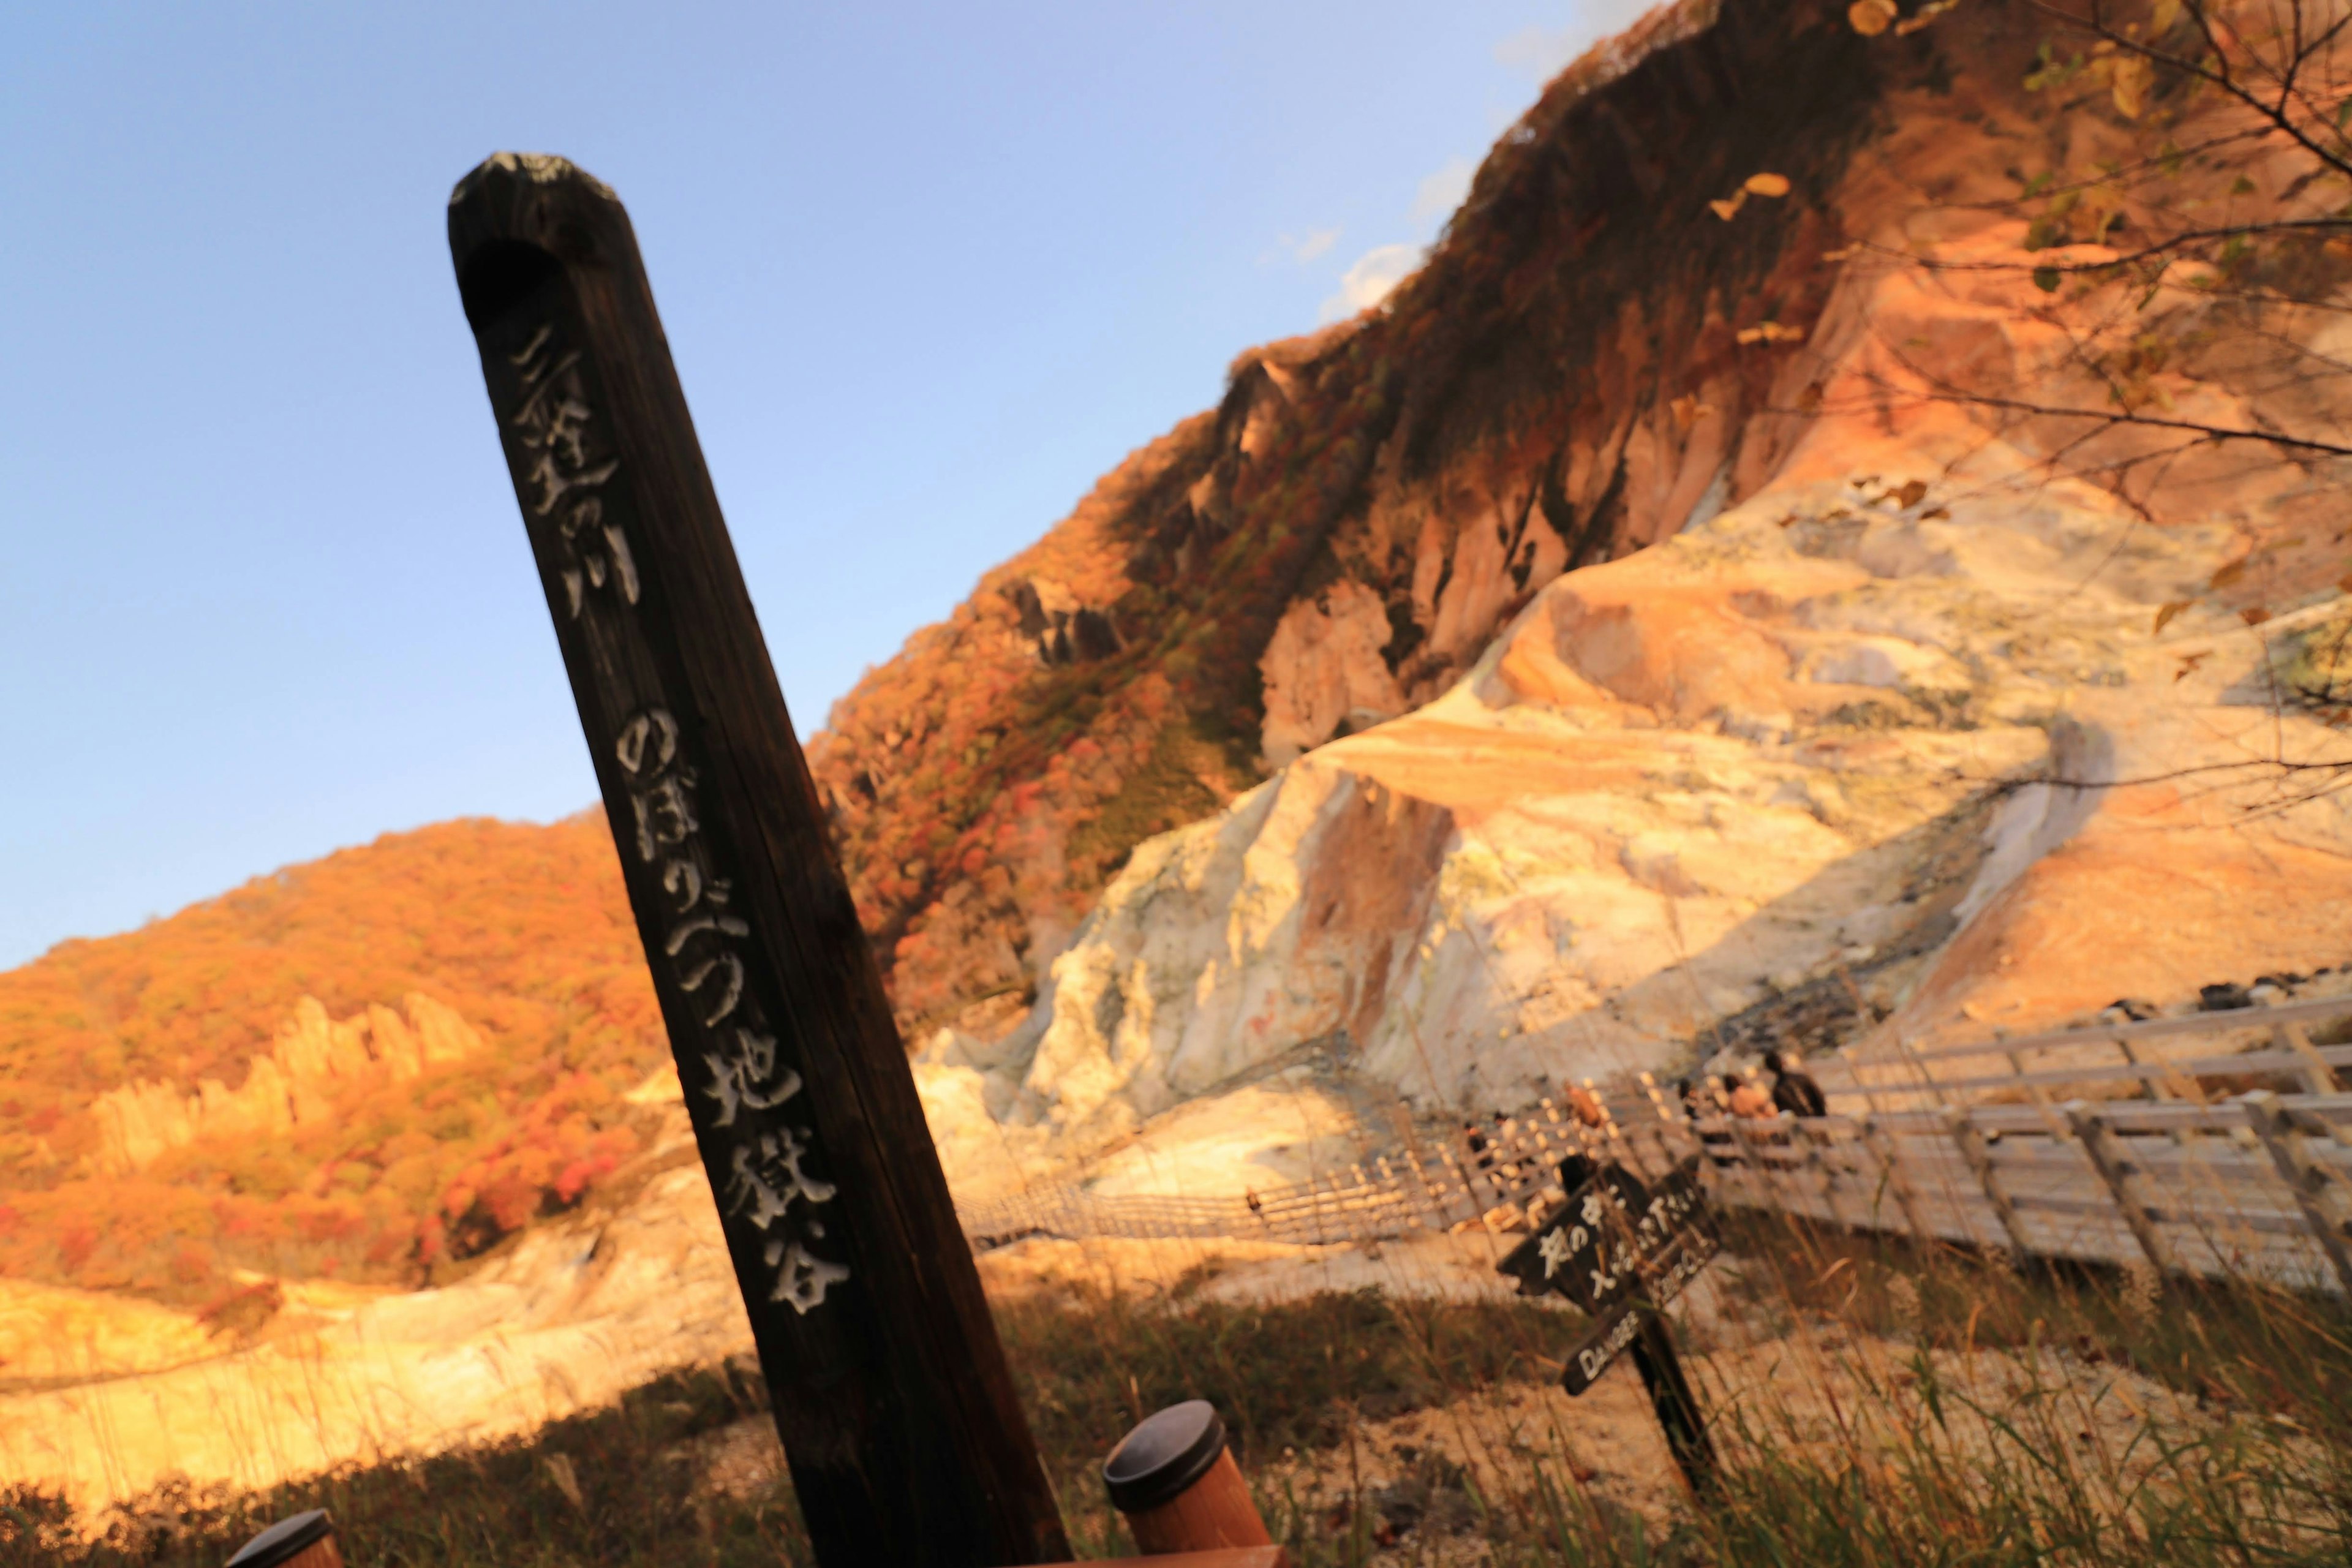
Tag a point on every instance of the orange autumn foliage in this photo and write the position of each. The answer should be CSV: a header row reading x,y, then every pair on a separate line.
x,y
523,930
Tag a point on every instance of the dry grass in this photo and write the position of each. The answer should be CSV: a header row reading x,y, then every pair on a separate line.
x,y
1873,1405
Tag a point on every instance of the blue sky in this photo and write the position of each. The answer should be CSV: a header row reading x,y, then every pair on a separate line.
x,y
928,271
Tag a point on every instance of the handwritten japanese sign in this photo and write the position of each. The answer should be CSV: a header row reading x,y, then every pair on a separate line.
x,y
889,1388
1617,1247
1609,1237
737,1069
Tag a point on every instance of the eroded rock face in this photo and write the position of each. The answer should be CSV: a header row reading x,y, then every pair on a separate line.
x,y
577,1313
1902,724
1699,778
311,1057
1329,671
1592,362
1342,537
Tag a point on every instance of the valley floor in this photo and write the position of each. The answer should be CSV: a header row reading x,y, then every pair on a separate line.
x,y
1870,1404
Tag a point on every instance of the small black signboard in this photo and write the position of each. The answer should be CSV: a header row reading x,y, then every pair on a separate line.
x,y
1614,1328
1617,1236
1622,1249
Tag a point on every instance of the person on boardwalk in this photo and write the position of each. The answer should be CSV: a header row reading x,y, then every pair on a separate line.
x,y
1747,1099
1481,1155
1708,1096
1794,1091
1580,1166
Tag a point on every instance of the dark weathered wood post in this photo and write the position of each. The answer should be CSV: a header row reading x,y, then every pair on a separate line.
x,y
1622,1249
1679,1415
897,1413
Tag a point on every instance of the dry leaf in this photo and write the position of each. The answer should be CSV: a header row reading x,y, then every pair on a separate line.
x,y
1912,493
1840,254
2228,574
1769,333
2127,85
566,1479
2167,613
1871,17
1933,512
1921,18
2166,13
1810,400
2344,584
2254,614
1767,185
2188,664
1729,210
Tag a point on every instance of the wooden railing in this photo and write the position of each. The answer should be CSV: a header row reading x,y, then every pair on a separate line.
x,y
2145,1159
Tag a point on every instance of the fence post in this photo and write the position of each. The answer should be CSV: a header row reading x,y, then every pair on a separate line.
x,y
1668,1119
1820,1151
1460,1182
1621,1146
305,1540
1875,1138
1424,1201
2107,1158
1545,1133
2317,1077
1971,1142
2305,1177
2159,1090
2040,1097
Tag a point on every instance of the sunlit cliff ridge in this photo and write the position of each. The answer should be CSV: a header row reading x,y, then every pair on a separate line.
x,y
1785,669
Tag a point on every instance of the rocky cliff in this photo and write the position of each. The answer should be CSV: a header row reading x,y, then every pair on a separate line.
x,y
312,1060
1576,374
1845,686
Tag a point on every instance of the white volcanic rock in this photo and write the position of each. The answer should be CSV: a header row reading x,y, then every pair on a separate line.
x,y
53,1332
574,1315
1797,743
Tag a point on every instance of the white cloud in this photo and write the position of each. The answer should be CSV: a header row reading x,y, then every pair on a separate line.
x,y
1302,248
1540,52
1370,280
1543,52
1442,191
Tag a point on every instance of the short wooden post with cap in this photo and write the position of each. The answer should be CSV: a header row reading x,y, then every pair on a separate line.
x,y
1184,1499
305,1540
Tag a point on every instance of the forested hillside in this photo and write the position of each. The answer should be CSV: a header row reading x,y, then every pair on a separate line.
x,y
520,933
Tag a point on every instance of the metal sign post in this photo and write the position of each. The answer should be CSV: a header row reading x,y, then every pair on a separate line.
x,y
891,1393
1620,1250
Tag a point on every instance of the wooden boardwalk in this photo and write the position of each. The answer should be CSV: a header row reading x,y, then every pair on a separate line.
x,y
2234,1158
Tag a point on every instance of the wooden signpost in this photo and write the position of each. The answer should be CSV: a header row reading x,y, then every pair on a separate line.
x,y
1620,1250
906,1443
